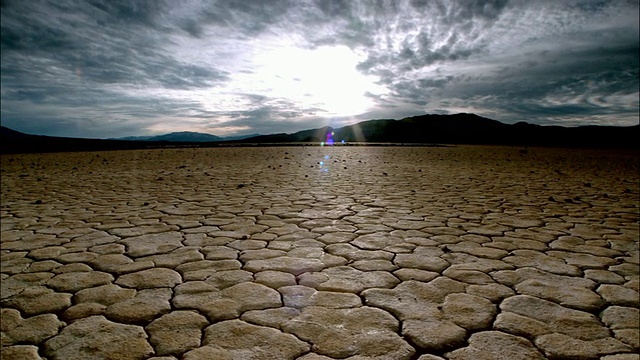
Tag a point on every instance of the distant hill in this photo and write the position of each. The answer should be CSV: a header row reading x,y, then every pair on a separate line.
x,y
133,138
239,137
183,136
186,136
463,129
12,141
6,133
424,129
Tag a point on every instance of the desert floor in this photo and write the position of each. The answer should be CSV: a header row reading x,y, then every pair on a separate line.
x,y
461,252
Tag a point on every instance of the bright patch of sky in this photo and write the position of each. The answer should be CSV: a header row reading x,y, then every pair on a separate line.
x,y
324,78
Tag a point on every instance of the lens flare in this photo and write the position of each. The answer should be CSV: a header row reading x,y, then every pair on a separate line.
x,y
324,164
329,138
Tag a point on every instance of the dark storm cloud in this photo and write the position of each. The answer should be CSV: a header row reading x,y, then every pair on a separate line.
x,y
73,55
469,57
81,43
244,18
551,85
431,32
143,12
105,68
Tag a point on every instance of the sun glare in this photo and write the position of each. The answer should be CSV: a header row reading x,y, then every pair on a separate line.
x,y
324,79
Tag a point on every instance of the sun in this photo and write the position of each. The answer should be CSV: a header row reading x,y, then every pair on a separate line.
x,y
324,78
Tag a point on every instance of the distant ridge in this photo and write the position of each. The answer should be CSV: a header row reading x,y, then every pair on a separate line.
x,y
185,136
463,129
15,142
6,133
424,129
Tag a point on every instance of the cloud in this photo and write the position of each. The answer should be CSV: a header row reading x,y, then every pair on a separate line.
x,y
98,67
508,60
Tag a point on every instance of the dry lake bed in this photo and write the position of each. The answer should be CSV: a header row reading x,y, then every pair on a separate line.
x,y
311,253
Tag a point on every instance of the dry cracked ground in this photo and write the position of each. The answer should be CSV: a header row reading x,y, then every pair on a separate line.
x,y
313,253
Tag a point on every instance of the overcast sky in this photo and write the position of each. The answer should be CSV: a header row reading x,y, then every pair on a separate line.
x,y
112,68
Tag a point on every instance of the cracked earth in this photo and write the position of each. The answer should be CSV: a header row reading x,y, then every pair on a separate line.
x,y
315,253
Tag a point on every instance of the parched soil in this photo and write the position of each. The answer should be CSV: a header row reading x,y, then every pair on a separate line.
x,y
458,252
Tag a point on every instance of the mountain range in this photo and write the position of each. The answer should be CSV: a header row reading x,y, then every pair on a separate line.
x,y
464,129
187,136
424,129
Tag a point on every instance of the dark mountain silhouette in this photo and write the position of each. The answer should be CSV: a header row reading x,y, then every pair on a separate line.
x,y
186,136
133,138
424,129
463,129
239,137
6,133
12,141
183,136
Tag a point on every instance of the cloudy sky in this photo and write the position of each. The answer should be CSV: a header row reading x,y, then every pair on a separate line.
x,y
112,68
